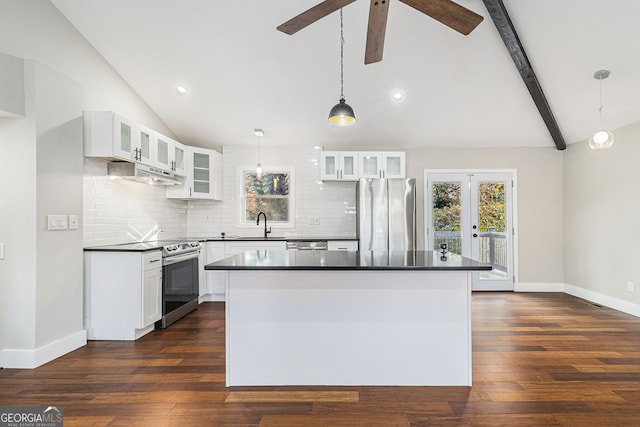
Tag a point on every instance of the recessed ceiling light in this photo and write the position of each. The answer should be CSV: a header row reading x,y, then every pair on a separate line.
x,y
258,132
397,95
181,90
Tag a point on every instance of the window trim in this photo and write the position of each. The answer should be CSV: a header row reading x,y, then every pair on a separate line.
x,y
242,203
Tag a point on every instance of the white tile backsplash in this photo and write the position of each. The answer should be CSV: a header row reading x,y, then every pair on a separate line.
x,y
119,211
332,202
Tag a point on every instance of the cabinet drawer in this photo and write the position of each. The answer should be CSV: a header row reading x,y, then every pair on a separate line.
x,y
151,260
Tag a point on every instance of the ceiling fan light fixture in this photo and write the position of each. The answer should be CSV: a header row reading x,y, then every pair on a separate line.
x,y
342,114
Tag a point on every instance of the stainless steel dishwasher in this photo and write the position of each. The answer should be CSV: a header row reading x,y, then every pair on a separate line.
x,y
307,245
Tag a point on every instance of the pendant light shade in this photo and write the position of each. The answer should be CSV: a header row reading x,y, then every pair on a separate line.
x,y
602,138
342,114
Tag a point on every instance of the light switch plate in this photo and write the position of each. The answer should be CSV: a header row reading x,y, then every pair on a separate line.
x,y
57,222
73,222
1,250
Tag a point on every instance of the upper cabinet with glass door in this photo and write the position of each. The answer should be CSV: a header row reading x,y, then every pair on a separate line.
x,y
170,155
339,166
386,164
203,176
109,135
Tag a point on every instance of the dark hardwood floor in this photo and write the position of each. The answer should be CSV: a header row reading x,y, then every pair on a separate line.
x,y
538,360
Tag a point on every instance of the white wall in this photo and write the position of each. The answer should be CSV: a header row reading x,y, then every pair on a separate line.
x,y
41,274
119,211
35,29
40,271
602,217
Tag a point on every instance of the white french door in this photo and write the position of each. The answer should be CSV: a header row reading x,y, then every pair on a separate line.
x,y
472,213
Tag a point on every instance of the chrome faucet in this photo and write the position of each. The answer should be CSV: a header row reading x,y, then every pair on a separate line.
x,y
265,224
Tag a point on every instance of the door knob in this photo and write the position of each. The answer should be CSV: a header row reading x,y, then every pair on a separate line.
x,y
475,235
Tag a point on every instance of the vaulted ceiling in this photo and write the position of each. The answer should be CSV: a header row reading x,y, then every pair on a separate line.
x,y
459,91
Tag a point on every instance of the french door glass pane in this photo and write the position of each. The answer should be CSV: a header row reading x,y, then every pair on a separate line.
x,y
447,223
492,226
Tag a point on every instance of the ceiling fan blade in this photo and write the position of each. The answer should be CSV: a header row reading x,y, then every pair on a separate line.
x,y
312,15
378,11
449,13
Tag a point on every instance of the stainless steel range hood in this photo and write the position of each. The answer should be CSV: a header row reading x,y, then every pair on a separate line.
x,y
141,173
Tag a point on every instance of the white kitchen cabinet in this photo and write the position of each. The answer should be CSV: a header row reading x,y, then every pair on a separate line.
x,y
234,247
151,296
109,135
342,245
216,281
123,293
203,178
170,155
339,166
147,145
386,164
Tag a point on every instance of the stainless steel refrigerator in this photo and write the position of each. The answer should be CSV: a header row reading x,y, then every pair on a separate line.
x,y
386,219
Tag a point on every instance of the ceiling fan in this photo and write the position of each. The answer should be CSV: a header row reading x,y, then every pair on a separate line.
x,y
449,13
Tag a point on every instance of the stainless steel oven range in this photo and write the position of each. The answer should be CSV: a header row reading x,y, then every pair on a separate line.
x,y
180,287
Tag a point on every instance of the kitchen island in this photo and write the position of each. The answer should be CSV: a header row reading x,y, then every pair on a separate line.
x,y
348,318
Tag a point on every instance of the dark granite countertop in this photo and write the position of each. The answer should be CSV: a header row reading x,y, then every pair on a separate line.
x,y
275,239
134,246
158,244
341,260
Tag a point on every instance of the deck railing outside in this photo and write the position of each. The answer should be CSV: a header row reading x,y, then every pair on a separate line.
x,y
493,246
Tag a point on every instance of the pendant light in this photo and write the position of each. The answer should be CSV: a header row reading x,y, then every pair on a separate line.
x,y
259,133
342,114
601,138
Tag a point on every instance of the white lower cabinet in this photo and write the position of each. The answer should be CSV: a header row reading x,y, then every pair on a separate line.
x,y
216,281
123,293
342,245
236,247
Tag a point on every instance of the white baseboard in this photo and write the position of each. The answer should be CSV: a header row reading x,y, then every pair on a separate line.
x,y
212,298
595,297
539,287
30,359
605,300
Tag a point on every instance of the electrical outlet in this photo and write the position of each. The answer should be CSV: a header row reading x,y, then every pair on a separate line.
x,y
73,222
316,220
631,286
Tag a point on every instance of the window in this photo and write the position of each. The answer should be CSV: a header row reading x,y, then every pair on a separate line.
x,y
271,194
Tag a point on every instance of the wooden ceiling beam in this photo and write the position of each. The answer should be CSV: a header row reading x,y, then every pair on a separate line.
x,y
507,31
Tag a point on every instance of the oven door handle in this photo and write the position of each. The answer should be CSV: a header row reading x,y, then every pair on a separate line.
x,y
179,258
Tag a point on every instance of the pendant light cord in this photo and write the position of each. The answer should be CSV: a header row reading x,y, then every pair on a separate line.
x,y
600,109
341,57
